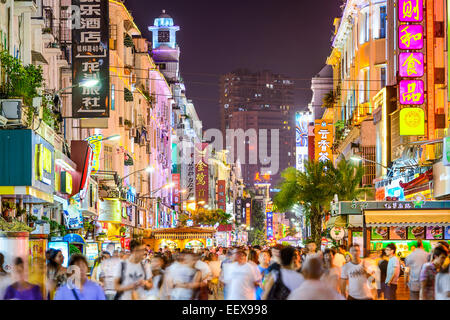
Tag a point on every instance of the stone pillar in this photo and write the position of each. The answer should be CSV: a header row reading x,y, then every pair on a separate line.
x,y
26,20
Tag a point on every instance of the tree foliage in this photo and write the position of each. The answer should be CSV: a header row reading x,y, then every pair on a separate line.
x,y
314,189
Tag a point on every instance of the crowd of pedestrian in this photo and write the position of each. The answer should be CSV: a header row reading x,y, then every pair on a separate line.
x,y
237,273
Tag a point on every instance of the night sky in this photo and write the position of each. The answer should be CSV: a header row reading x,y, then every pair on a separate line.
x,y
291,37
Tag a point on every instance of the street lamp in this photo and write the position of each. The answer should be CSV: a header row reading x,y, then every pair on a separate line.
x,y
148,169
357,159
85,84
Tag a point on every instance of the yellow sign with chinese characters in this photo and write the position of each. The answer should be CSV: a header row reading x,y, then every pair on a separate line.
x,y
43,163
412,122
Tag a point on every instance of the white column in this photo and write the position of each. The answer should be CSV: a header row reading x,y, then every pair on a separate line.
x,y
26,20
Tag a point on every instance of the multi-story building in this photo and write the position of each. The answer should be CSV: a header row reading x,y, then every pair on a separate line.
x,y
258,101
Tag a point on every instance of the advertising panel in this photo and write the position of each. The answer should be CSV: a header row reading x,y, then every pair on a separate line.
x,y
412,122
90,59
95,142
110,211
176,188
301,139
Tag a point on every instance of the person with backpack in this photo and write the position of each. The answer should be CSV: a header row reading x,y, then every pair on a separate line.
x,y
133,277
281,282
313,288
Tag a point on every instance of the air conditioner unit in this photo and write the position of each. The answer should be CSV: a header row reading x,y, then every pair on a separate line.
x,y
11,109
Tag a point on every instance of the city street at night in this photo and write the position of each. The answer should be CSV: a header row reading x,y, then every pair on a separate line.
x,y
227,151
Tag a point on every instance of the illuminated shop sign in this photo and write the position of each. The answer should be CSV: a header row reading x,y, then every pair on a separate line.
x,y
412,122
301,139
410,10
44,164
323,140
96,144
411,92
90,55
66,182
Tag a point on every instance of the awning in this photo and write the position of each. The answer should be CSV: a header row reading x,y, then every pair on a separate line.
x,y
28,194
419,218
338,221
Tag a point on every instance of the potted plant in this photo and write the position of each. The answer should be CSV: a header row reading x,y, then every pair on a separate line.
x,y
46,30
127,40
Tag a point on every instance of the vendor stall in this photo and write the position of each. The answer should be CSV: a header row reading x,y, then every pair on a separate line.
x,y
181,237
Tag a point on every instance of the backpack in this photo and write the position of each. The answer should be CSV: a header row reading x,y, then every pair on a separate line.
x,y
279,291
122,276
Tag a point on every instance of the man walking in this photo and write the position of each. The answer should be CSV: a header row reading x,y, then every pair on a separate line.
x,y
355,276
393,273
414,262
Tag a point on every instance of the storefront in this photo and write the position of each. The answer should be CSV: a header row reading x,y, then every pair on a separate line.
x,y
183,237
400,222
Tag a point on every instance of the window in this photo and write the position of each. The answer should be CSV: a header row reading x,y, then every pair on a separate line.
x,y
108,153
364,27
383,22
383,77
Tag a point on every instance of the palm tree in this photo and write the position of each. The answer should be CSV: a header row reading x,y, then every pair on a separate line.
x,y
315,188
347,177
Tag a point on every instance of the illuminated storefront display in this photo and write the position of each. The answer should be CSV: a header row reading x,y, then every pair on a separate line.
x,y
323,140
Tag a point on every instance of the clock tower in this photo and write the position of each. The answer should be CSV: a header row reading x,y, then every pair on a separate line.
x,y
166,52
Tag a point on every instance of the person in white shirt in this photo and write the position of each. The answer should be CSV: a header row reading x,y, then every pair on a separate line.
x,y
214,265
393,273
107,272
206,276
184,278
414,262
241,278
313,288
133,278
339,258
442,284
354,275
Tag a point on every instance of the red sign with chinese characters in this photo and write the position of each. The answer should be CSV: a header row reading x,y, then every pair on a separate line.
x,y
221,196
201,174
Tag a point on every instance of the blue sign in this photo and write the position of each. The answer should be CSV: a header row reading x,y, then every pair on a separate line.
x,y
269,223
73,237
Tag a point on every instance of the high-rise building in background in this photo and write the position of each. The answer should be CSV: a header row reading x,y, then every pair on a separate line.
x,y
259,100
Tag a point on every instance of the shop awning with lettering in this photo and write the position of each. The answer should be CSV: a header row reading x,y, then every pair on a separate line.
x,y
421,218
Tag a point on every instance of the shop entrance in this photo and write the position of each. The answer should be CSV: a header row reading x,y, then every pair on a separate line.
x,y
168,244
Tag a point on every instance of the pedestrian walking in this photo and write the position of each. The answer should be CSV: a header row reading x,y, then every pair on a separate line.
x,y
280,283
133,278
107,274
312,288
56,273
5,277
79,287
331,272
393,272
442,287
263,267
355,277
242,278
414,262
339,257
214,265
158,265
429,272
22,289
184,278
382,265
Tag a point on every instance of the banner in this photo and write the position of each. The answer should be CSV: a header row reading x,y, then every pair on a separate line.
x,y
323,131
301,137
90,58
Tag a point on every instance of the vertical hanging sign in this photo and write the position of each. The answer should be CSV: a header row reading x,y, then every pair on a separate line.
x,y
323,140
411,64
90,59
221,197
201,174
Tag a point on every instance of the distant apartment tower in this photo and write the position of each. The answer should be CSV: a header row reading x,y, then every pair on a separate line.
x,y
259,100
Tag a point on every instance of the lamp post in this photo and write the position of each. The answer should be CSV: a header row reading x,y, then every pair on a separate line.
x,y
86,84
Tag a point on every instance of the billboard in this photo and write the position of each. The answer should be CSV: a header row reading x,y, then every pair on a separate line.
x,y
90,59
301,139
323,132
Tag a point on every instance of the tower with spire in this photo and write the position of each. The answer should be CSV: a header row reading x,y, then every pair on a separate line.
x,y
166,52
